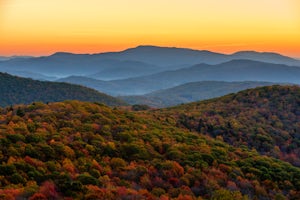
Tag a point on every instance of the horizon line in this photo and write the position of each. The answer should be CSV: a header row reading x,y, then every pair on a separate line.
x,y
143,45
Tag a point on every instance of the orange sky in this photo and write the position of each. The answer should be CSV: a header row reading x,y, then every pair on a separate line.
x,y
42,27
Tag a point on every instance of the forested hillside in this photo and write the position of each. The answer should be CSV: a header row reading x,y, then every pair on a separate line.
x,y
16,90
90,151
266,119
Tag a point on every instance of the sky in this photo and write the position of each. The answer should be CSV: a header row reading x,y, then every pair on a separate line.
x,y
42,27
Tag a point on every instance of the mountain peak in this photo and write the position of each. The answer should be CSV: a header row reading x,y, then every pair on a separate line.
x,y
170,51
265,55
147,46
251,52
62,54
169,48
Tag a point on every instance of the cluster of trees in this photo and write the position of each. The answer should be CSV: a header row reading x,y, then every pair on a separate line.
x,y
77,150
266,119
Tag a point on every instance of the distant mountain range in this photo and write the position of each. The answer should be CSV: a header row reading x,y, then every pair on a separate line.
x,y
191,92
142,60
162,75
170,56
16,90
235,70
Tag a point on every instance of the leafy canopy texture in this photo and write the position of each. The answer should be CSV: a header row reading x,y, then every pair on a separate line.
x,y
90,151
266,118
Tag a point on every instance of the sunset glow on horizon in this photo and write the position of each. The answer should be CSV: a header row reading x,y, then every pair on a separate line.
x,y
42,27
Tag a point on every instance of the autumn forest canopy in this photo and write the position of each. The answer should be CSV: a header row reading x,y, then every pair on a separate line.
x,y
240,146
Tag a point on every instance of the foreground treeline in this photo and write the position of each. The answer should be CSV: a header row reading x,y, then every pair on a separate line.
x,y
75,150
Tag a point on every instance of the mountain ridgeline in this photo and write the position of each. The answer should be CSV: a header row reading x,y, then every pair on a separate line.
x,y
144,60
17,90
82,150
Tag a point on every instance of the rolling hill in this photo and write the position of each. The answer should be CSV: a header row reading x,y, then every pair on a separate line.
x,y
16,90
191,92
266,119
235,70
82,150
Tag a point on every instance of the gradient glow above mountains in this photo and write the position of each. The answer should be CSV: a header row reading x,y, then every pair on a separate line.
x,y
35,27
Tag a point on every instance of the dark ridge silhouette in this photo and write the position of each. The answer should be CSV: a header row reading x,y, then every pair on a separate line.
x,y
17,90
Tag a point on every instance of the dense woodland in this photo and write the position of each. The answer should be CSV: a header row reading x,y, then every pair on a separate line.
x,y
266,119
77,150
17,90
